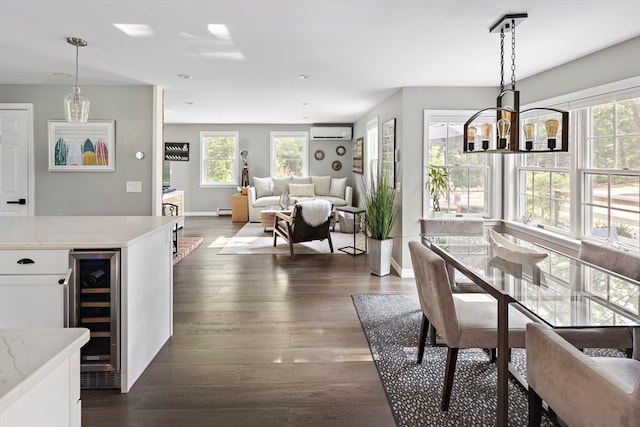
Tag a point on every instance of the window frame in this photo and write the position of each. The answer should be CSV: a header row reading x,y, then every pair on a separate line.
x,y
288,134
204,158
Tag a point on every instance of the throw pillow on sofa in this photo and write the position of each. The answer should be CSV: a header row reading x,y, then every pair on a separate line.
x,y
301,180
301,190
280,184
338,187
322,185
263,186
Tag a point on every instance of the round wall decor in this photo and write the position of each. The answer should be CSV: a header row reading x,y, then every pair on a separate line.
x,y
319,155
336,165
340,150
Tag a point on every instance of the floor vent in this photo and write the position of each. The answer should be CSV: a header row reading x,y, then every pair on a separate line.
x,y
224,211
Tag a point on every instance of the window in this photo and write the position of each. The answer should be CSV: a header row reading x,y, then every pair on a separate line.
x,y
371,150
468,173
611,173
289,154
219,154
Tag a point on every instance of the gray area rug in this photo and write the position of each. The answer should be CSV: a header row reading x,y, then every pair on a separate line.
x,y
392,325
252,239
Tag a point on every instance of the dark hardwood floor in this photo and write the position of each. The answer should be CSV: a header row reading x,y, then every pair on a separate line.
x,y
258,340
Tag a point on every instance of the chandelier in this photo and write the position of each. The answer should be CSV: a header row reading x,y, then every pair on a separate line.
x,y
540,126
76,106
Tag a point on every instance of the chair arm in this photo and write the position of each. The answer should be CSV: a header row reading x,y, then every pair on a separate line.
x,y
285,217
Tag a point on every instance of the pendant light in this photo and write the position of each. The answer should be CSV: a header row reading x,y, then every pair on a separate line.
x,y
508,114
76,106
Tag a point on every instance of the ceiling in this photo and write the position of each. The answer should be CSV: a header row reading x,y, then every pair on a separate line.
x,y
355,52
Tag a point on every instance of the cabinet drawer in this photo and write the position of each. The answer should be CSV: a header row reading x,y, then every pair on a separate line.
x,y
44,261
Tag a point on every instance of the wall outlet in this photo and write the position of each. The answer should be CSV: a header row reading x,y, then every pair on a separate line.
x,y
134,186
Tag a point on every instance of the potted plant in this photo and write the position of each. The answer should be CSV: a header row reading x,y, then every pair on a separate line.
x,y
381,213
438,184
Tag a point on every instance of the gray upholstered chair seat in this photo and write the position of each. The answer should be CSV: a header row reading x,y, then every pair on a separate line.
x,y
581,390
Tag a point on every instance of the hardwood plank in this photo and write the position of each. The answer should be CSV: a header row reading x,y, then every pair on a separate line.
x,y
258,340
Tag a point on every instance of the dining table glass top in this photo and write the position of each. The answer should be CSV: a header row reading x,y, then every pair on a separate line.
x,y
560,290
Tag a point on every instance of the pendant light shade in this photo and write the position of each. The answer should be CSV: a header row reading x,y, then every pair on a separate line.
x,y
76,106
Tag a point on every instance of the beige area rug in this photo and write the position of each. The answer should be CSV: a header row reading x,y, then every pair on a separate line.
x,y
252,239
186,245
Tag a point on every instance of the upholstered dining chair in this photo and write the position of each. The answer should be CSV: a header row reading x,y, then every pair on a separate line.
x,y
463,320
454,227
309,220
583,391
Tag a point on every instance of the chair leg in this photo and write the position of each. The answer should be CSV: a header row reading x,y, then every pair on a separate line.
x,y
330,242
535,408
433,334
424,331
452,358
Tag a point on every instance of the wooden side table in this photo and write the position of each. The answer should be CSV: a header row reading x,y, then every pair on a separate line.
x,y
240,208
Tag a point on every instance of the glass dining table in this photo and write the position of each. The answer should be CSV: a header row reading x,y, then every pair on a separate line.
x,y
559,290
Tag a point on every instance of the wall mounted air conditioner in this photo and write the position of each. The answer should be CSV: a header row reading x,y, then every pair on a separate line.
x,y
324,133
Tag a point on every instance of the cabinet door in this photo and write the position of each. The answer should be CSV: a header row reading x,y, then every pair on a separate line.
x,y
32,302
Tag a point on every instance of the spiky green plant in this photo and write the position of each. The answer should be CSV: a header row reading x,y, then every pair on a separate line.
x,y
381,207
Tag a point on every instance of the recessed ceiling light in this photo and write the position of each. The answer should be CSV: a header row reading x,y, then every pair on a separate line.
x,y
135,30
185,76
304,77
236,56
220,31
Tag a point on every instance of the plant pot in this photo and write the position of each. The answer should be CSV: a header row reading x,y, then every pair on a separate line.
x,y
380,256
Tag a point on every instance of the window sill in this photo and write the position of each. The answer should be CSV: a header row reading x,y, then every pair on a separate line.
x,y
544,237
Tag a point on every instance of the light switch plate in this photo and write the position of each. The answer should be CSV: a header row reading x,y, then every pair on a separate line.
x,y
134,186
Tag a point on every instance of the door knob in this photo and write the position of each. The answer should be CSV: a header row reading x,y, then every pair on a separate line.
x,y
17,202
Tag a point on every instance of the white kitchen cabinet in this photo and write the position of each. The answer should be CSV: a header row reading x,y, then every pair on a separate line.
x,y
40,379
33,288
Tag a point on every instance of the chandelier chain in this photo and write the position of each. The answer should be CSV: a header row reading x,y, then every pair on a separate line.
x,y
501,60
513,54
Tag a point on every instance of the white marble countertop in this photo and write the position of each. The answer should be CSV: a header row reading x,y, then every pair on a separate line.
x,y
27,355
80,232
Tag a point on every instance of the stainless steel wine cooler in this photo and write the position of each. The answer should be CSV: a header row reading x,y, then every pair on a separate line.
x,y
94,303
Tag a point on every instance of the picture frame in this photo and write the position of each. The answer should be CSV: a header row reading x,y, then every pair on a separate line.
x,y
389,150
82,147
358,156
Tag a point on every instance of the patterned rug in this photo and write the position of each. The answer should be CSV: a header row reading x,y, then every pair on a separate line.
x,y
392,325
186,245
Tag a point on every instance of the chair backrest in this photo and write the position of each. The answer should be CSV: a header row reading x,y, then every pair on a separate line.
x,y
616,260
452,226
434,291
307,216
583,391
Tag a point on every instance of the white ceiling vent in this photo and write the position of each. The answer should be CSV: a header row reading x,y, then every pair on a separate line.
x,y
325,133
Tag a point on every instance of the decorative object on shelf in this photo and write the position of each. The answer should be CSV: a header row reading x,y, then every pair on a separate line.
x,y
340,150
509,115
76,106
336,165
176,151
506,249
358,156
438,184
82,147
285,200
318,155
389,150
382,210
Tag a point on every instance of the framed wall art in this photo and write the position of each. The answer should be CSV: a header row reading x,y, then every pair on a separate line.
x,y
358,156
388,150
82,147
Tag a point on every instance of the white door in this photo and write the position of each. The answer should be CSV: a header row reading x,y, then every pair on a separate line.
x,y
16,170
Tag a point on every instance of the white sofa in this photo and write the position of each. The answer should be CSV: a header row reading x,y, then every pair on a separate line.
x,y
266,191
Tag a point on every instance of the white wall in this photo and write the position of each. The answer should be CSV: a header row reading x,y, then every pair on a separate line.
x,y
92,193
255,138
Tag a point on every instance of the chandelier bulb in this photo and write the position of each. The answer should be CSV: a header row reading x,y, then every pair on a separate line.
x,y
504,126
471,137
485,130
529,134
551,127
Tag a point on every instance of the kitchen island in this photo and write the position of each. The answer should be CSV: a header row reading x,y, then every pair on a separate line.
x,y
146,272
